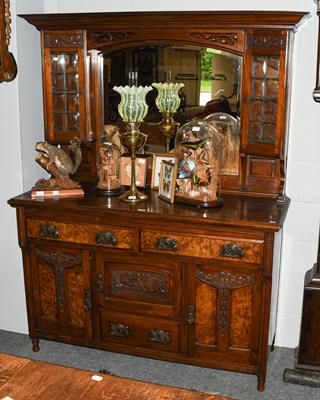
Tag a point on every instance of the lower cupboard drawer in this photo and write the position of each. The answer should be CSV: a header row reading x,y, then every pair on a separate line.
x,y
143,332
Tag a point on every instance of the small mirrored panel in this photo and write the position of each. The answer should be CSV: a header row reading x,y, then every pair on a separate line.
x,y
211,78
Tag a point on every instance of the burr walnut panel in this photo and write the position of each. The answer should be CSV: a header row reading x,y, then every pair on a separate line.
x,y
204,246
76,295
241,317
206,314
48,293
80,233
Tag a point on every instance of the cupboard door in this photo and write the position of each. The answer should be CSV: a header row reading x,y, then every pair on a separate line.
x,y
66,86
62,296
264,94
223,314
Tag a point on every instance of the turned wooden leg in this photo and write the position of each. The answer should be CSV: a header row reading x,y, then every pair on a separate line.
x,y
35,344
261,383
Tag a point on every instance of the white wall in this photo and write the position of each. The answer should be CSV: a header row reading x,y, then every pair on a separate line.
x,y
25,116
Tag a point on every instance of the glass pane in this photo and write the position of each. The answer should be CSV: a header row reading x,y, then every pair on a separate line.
x,y
58,62
73,122
257,87
72,82
58,124
269,133
270,111
273,66
259,66
72,65
256,110
58,84
58,101
255,132
272,88
72,102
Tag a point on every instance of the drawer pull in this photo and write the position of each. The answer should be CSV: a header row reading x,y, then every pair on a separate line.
x,y
232,250
106,238
166,243
49,231
118,330
159,336
191,314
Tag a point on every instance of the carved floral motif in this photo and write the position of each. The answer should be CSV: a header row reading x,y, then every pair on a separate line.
x,y
63,40
266,42
100,38
147,283
230,39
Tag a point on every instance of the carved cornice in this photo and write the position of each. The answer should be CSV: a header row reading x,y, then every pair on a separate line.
x,y
146,283
270,42
63,40
225,280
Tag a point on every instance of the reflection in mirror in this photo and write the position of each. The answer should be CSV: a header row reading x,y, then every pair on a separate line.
x,y
212,80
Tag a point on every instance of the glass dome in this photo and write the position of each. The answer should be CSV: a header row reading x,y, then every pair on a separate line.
x,y
108,156
228,128
198,148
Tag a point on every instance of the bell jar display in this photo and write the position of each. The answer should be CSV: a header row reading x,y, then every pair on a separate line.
x,y
228,128
108,156
198,148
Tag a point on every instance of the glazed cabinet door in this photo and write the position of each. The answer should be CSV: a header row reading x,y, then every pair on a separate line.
x,y
61,289
264,93
66,86
223,314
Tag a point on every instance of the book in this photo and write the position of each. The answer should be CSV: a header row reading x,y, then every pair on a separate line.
x,y
57,193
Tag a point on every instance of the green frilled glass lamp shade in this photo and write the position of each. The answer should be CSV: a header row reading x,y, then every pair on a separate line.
x,y
133,108
168,102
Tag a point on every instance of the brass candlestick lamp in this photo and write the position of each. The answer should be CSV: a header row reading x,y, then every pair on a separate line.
x,y
133,109
168,101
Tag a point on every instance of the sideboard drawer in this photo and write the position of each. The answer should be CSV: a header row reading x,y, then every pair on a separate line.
x,y
152,333
220,248
80,233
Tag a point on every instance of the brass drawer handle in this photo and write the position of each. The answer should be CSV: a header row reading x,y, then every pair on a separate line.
x,y
118,330
48,231
232,250
166,243
106,238
159,336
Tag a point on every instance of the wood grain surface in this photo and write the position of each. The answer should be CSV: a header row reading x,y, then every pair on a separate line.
x,y
23,379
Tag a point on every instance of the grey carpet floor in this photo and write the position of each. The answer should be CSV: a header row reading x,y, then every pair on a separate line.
x,y
235,385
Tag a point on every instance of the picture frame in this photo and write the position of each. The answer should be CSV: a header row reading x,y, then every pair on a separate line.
x,y
125,170
157,158
168,178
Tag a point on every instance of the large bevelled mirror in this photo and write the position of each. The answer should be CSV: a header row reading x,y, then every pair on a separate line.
x,y
211,78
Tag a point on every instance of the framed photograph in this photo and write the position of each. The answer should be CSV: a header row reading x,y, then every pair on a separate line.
x,y
167,182
125,171
156,164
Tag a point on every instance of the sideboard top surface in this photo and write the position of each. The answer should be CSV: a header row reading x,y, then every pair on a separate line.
x,y
241,211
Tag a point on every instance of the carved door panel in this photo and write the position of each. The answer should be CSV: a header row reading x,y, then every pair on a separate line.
x,y
143,284
264,91
223,313
66,87
62,296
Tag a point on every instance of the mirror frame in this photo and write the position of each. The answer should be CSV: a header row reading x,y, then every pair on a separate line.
x,y
8,67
